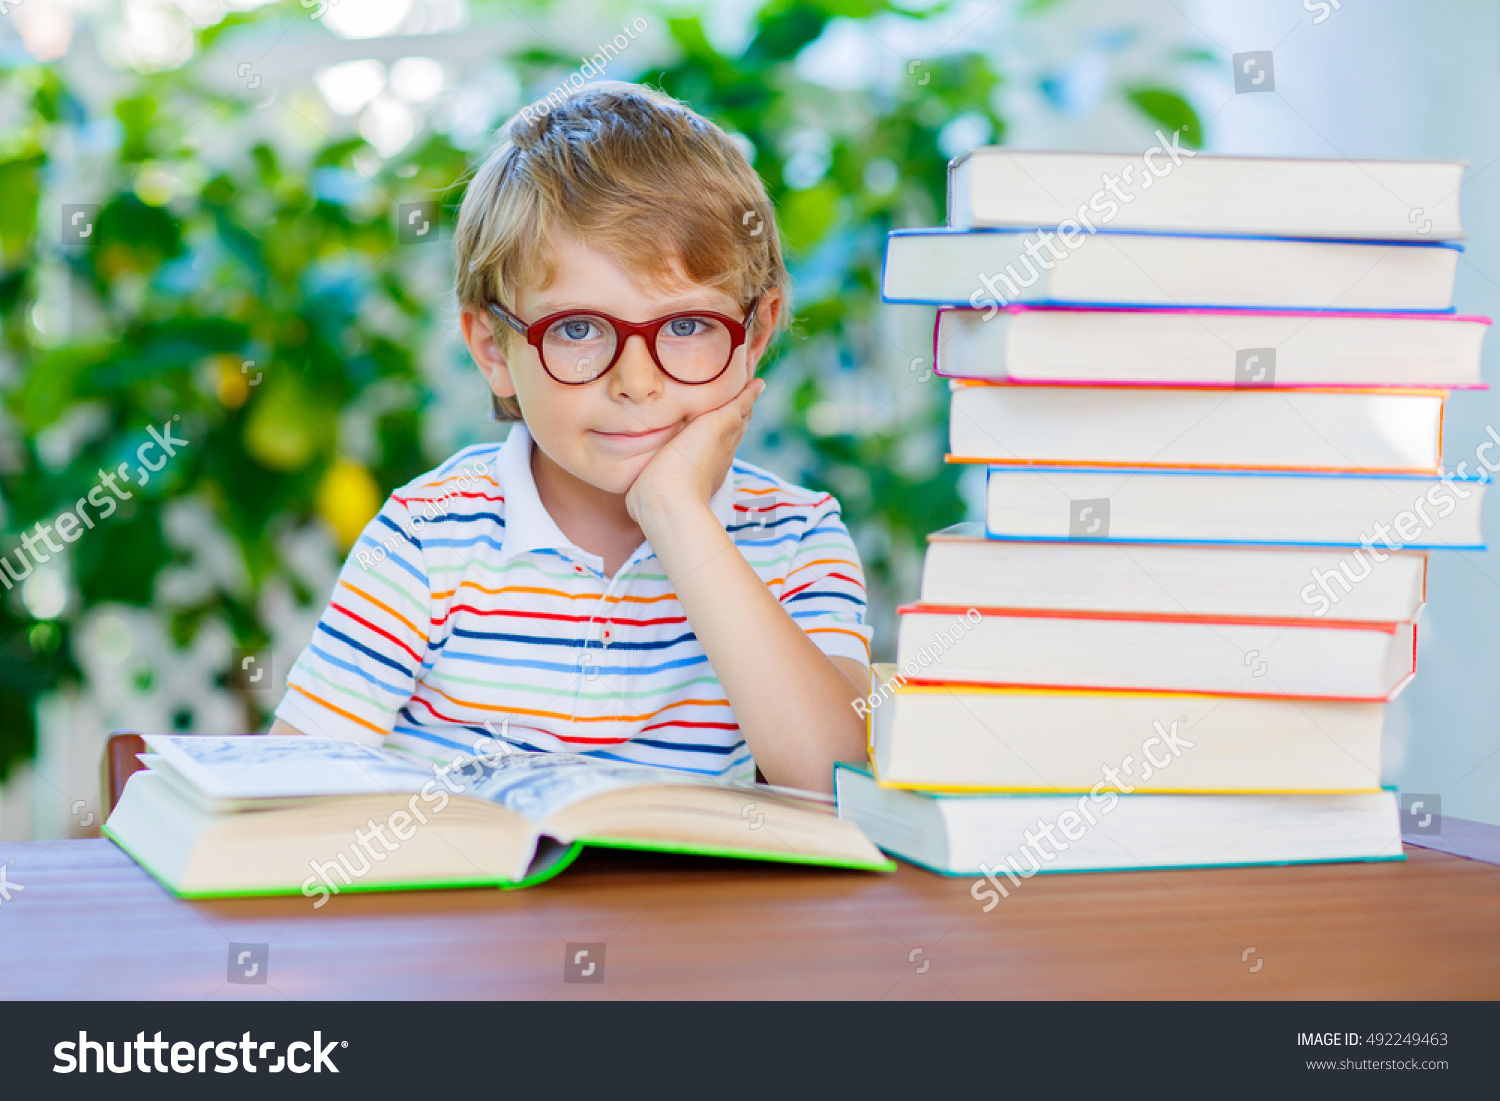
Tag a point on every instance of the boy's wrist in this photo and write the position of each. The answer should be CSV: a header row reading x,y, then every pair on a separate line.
x,y
661,511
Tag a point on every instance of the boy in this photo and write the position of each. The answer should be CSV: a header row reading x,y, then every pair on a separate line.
x,y
610,580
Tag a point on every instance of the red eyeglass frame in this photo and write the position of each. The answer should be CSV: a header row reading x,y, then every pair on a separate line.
x,y
624,330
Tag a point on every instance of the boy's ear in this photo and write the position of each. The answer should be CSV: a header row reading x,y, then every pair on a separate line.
x,y
479,335
767,316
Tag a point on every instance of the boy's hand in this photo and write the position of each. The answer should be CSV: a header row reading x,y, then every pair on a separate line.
x,y
692,465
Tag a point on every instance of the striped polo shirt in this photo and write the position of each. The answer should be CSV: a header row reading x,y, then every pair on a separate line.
x,y
464,613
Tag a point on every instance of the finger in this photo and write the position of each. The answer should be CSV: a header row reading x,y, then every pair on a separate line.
x,y
748,396
737,409
748,393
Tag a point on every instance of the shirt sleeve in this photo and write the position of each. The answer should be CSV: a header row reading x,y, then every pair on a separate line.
x,y
362,665
825,586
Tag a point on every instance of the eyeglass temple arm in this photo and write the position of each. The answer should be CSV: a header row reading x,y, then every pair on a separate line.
x,y
509,318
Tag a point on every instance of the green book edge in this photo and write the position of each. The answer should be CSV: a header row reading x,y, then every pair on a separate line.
x,y
1163,867
887,865
556,867
1127,868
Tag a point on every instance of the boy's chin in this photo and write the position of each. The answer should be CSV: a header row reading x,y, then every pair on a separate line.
x,y
618,475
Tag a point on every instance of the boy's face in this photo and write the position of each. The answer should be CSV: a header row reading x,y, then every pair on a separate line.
x,y
605,432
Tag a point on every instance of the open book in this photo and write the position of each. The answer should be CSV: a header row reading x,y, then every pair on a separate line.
x,y
279,815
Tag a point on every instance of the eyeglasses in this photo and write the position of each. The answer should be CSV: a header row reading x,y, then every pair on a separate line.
x,y
577,347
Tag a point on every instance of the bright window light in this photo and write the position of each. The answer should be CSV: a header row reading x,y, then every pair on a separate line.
x,y
366,18
349,85
417,80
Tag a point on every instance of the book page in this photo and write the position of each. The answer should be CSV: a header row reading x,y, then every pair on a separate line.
x,y
538,785
533,785
266,767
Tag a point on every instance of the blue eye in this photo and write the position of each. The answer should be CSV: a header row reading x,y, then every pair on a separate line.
x,y
686,326
577,329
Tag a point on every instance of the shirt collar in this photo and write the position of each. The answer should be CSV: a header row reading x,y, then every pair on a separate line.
x,y
528,525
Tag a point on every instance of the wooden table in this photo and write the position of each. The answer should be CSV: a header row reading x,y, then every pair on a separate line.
x,y
90,924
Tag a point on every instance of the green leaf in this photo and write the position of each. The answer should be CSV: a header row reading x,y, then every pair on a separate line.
x,y
1170,110
138,115
806,215
18,201
784,29
1197,53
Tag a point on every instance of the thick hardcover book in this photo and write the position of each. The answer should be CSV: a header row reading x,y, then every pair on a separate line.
x,y
1176,189
991,268
1221,349
1023,647
957,737
1381,512
1395,431
964,568
283,815
1006,839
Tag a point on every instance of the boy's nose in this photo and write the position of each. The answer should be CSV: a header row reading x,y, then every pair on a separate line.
x,y
636,376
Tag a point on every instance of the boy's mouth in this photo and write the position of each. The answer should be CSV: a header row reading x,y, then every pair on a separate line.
x,y
653,435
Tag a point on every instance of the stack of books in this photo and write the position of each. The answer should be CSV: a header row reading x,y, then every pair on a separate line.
x,y
1209,395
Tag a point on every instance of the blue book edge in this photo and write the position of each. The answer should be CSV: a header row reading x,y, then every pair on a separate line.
x,y
1085,303
1011,231
1478,478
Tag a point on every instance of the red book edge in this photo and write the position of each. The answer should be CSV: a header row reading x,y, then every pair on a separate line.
x,y
1384,627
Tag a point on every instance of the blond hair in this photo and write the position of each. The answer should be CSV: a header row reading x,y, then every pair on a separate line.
x,y
637,175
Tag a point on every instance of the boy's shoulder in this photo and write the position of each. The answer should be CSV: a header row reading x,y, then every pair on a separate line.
x,y
757,489
474,470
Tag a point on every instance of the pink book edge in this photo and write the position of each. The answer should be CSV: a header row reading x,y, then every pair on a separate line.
x,y
1174,384
1022,307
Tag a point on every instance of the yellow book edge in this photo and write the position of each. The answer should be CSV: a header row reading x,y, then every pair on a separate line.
x,y
883,675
